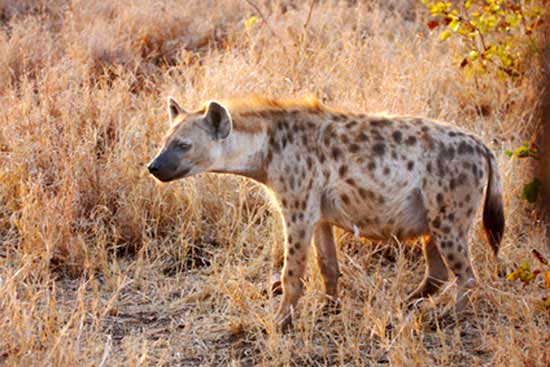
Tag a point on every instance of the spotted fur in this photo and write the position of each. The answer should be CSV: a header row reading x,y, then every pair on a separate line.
x,y
379,176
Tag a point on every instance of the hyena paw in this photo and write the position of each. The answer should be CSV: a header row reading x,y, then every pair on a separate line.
x,y
283,321
332,306
276,285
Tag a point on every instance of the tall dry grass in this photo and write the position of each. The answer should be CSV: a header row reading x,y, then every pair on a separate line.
x,y
101,265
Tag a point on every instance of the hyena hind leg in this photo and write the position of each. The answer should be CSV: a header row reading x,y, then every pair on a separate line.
x,y
437,272
454,249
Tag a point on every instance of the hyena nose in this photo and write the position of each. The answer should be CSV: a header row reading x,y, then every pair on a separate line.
x,y
153,167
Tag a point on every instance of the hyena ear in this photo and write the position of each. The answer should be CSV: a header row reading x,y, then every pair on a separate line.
x,y
174,109
219,120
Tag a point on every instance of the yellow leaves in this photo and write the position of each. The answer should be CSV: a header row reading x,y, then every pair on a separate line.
x,y
440,8
495,33
445,35
249,23
528,276
523,273
513,19
454,24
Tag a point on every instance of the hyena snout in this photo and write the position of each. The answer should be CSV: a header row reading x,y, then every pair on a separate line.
x,y
165,169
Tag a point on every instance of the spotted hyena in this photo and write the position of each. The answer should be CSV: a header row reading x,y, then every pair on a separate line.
x,y
379,176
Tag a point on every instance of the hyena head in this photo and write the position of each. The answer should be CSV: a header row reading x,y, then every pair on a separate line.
x,y
194,142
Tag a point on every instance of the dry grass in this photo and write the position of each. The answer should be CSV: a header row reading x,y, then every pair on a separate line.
x,y
100,265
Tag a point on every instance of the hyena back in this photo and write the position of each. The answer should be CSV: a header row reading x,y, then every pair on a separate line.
x,y
378,176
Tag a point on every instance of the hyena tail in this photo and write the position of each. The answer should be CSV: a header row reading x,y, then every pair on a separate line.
x,y
493,212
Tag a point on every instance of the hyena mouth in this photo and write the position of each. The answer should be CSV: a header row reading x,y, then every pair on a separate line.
x,y
184,173
180,174
167,178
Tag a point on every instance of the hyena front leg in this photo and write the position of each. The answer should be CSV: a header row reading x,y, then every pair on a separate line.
x,y
299,228
327,259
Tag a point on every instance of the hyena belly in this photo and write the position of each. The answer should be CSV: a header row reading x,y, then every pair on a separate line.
x,y
376,210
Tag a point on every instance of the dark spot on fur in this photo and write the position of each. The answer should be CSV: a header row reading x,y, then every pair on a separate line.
x,y
290,137
336,152
462,179
452,184
386,171
345,199
464,148
362,138
379,149
372,166
446,153
429,167
274,144
344,139
309,162
354,148
439,198
411,140
410,165
350,181
436,223
397,136
269,157
343,170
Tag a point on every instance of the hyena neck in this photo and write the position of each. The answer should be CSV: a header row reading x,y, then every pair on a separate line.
x,y
243,153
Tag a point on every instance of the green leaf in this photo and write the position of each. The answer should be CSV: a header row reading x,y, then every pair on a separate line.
x,y
509,153
531,190
522,151
473,55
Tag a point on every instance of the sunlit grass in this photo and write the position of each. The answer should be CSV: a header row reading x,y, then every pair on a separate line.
x,y
102,265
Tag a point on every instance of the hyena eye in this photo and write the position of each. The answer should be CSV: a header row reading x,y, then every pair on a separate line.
x,y
183,146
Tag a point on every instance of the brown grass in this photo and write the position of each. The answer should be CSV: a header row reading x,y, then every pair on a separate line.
x,y
101,265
